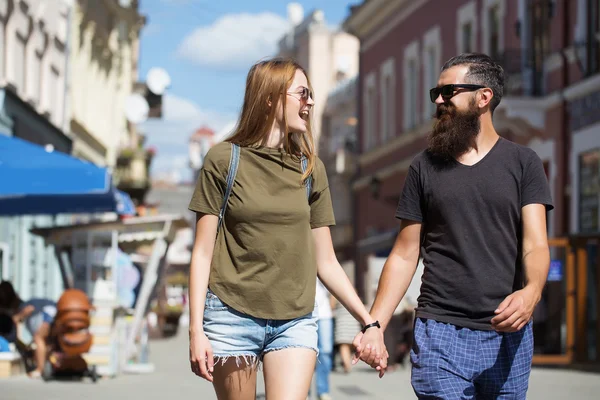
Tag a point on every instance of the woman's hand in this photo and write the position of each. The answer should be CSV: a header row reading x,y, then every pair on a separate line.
x,y
370,347
201,356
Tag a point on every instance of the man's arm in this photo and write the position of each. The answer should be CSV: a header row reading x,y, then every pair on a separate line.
x,y
396,276
397,272
516,310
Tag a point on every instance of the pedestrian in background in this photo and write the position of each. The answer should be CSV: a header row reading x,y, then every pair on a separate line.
x,y
345,328
325,342
253,272
37,314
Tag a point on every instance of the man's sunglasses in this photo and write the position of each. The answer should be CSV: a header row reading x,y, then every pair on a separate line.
x,y
305,93
448,91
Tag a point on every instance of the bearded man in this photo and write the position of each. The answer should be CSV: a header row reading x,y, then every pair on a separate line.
x,y
474,207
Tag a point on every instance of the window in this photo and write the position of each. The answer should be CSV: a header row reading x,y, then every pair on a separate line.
x,y
57,94
412,95
494,38
19,66
388,90
593,38
589,191
2,48
467,33
411,86
432,59
466,26
492,14
369,127
35,69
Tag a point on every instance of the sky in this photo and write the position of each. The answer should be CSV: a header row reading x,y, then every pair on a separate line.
x,y
207,48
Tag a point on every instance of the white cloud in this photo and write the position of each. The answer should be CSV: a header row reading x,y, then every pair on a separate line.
x,y
234,40
170,135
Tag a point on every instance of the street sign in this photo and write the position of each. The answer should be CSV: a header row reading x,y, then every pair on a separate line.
x,y
555,273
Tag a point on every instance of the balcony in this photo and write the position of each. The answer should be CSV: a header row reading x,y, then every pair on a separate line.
x,y
132,172
524,72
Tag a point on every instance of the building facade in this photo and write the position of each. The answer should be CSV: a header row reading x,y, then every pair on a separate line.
x,y
200,142
103,71
33,60
550,52
328,55
33,98
338,152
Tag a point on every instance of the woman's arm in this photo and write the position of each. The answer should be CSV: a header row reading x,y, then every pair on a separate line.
x,y
201,355
202,252
334,277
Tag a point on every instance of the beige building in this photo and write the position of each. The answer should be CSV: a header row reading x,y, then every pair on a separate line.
x,y
105,38
337,150
33,39
328,54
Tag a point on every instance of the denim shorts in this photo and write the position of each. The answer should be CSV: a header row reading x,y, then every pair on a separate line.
x,y
234,334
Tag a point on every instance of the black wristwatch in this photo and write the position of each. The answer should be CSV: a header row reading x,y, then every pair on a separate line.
x,y
372,324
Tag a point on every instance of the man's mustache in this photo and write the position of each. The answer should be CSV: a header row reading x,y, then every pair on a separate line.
x,y
444,109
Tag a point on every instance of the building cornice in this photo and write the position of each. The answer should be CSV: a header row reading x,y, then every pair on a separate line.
x,y
129,14
373,14
583,88
396,143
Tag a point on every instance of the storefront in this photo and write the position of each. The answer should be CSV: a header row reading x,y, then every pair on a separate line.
x,y
25,260
88,255
566,322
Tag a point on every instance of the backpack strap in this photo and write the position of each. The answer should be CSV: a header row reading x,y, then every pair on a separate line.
x,y
304,164
234,161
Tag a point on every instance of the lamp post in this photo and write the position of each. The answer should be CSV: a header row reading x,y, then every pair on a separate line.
x,y
375,187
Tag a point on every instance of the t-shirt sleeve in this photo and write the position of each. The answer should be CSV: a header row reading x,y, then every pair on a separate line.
x,y
210,185
411,199
534,186
321,209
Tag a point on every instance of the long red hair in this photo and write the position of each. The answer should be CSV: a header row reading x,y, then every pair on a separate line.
x,y
268,81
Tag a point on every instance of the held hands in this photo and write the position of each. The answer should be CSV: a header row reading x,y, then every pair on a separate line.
x,y
515,311
371,349
201,356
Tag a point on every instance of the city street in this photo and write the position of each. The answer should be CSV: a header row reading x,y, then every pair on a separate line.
x,y
173,379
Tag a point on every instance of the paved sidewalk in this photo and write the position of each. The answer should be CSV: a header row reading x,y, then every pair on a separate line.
x,y
173,380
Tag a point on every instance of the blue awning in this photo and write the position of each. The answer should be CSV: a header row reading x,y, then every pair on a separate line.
x,y
35,181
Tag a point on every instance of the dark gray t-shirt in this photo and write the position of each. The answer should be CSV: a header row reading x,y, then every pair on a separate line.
x,y
471,234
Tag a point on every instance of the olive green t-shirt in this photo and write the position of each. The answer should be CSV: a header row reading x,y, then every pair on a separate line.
x,y
264,262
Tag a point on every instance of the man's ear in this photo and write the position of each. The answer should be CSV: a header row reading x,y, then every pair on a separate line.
x,y
486,95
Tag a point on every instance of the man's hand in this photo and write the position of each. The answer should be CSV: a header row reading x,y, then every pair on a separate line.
x,y
515,311
371,349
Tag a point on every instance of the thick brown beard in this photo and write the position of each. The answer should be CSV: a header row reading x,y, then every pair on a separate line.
x,y
454,131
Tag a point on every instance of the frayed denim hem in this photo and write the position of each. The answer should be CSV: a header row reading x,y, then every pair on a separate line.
x,y
251,360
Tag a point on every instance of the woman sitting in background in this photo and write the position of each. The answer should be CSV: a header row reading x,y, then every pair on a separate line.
x,y
37,314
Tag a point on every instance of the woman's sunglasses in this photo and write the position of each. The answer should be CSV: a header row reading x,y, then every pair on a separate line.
x,y
305,93
448,91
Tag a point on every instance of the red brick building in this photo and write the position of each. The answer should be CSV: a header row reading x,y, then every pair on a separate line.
x,y
551,54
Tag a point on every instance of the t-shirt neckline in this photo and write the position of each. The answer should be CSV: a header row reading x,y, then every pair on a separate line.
x,y
489,153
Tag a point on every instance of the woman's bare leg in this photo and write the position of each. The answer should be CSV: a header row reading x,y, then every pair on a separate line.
x,y
288,373
41,349
235,379
346,355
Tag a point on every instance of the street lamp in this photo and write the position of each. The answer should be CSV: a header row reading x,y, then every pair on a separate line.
x,y
375,188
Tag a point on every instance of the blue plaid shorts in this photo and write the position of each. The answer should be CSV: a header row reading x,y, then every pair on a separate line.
x,y
449,362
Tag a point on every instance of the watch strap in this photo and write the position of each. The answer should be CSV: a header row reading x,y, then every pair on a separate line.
x,y
371,325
